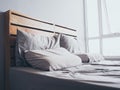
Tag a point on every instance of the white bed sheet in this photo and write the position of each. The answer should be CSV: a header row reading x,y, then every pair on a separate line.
x,y
102,74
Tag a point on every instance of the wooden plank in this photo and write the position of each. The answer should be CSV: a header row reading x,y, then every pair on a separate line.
x,y
19,20
65,31
65,27
13,30
29,23
23,15
20,14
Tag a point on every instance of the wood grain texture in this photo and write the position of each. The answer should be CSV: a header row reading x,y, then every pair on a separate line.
x,y
14,28
25,22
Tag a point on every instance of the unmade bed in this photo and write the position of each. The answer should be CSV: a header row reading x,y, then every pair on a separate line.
x,y
95,77
52,67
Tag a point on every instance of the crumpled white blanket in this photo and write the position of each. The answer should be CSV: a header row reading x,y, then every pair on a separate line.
x,y
95,57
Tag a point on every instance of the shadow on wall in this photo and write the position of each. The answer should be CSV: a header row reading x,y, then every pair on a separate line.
x,y
2,58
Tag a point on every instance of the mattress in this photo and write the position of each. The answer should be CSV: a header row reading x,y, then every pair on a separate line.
x,y
104,75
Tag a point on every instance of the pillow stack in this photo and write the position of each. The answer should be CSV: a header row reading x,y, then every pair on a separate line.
x,y
33,41
46,52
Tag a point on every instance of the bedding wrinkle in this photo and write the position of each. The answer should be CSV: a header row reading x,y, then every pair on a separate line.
x,y
77,74
33,41
58,58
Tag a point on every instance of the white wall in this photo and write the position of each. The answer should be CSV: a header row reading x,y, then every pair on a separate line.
x,y
63,12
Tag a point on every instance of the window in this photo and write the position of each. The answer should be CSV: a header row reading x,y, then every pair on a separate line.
x,y
103,27
92,12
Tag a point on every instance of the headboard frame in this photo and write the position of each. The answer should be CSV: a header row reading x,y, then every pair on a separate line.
x,y
14,21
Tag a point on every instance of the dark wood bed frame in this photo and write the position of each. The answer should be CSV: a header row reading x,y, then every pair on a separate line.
x,y
14,21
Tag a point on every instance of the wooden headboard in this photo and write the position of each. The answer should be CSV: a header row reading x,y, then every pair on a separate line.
x,y
14,21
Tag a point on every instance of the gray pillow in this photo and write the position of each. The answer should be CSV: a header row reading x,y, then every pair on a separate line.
x,y
70,43
33,41
52,59
84,58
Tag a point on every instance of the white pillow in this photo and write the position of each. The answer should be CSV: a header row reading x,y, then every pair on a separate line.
x,y
52,59
33,40
70,43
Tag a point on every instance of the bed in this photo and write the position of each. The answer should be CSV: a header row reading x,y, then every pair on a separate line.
x,y
96,76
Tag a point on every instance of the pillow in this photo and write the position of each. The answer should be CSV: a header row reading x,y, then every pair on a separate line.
x,y
70,43
84,58
33,41
51,59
